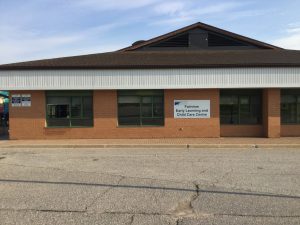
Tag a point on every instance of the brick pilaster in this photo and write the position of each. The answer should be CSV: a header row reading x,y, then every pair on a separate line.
x,y
271,112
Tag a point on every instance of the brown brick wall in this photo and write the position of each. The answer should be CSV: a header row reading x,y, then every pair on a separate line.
x,y
290,130
29,123
192,127
242,130
271,112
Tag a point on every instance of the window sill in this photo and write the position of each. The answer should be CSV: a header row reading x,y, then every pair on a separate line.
x,y
136,126
229,124
67,127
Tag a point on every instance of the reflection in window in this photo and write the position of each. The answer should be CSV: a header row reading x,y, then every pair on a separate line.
x,y
69,109
141,108
290,106
240,106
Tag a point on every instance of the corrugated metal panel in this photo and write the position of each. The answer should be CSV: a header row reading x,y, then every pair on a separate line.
x,y
150,79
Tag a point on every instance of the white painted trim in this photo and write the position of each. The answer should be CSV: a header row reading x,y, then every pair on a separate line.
x,y
150,79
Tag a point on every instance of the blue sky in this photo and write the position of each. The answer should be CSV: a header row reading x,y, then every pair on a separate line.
x,y
36,29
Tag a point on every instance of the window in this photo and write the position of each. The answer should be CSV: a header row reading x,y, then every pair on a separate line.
x,y
240,106
141,108
69,109
290,106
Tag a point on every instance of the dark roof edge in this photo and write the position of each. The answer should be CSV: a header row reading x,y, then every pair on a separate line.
x,y
203,26
277,65
55,58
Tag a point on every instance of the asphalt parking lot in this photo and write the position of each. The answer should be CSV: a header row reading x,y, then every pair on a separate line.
x,y
149,186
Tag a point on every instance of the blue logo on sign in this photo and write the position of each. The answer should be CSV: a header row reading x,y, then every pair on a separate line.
x,y
177,103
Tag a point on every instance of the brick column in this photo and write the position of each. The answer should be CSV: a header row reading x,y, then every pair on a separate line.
x,y
271,112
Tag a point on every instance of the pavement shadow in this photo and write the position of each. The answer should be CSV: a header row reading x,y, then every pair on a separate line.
x,y
151,188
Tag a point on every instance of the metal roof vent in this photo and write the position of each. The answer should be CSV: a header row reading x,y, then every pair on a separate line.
x,y
138,42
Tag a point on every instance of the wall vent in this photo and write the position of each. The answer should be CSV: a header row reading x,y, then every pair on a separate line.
x,y
179,41
215,40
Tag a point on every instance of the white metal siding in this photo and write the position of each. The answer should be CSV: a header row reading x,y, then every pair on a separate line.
x,y
149,79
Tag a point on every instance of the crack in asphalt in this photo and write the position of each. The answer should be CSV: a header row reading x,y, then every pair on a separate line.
x,y
44,210
174,181
147,214
185,209
221,178
259,215
98,173
131,220
61,211
102,194
137,213
86,212
241,191
195,196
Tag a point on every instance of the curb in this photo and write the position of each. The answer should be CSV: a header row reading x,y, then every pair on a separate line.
x,y
278,146
195,146
153,146
101,146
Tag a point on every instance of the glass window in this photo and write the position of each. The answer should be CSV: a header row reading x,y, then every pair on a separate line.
x,y
147,107
141,108
69,109
290,106
87,107
76,107
58,111
240,106
229,109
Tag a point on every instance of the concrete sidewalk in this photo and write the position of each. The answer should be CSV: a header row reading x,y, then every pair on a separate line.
x,y
291,142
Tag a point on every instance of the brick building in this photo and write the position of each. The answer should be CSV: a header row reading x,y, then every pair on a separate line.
x,y
198,81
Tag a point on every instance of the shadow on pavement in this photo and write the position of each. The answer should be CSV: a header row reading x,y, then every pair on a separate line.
x,y
150,188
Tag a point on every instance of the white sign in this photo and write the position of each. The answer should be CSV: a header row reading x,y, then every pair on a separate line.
x,y
193,109
26,100
16,101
